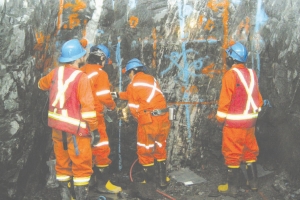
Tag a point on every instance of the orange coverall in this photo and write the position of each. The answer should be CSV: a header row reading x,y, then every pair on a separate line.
x,y
101,90
238,143
144,95
68,164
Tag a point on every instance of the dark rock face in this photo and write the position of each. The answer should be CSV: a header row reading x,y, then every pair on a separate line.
x,y
181,42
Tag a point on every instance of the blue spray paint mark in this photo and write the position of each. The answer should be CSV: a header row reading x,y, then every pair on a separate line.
x,y
267,103
236,2
113,4
261,19
119,64
132,4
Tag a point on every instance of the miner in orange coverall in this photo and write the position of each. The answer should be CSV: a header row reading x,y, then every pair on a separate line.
x,y
72,117
100,84
148,106
239,103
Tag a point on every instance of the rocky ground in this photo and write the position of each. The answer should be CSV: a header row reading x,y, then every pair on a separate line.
x,y
274,186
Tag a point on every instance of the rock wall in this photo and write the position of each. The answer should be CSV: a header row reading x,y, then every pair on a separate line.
x,y
182,43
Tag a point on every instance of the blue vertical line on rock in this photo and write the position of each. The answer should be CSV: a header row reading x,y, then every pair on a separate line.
x,y
260,20
185,69
113,4
119,64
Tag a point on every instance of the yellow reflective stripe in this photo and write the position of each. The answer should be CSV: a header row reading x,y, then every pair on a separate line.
x,y
234,167
146,146
101,144
160,160
241,116
221,114
69,120
63,87
133,105
90,114
64,112
148,165
102,166
251,161
249,89
63,177
92,74
81,180
102,92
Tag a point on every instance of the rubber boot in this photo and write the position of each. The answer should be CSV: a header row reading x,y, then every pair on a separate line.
x,y
67,190
162,174
82,192
231,187
252,181
52,182
148,173
103,183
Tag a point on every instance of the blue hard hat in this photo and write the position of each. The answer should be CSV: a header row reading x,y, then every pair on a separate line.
x,y
134,63
71,51
238,52
103,49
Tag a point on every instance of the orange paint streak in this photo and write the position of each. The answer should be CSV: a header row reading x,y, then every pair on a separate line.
x,y
133,21
224,6
200,20
60,11
154,47
208,70
209,25
78,5
73,20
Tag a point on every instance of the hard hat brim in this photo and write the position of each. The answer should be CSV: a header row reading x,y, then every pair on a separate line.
x,y
73,58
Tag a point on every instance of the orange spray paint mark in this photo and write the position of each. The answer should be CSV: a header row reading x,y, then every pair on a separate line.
x,y
74,20
200,20
133,21
154,47
224,6
208,70
43,60
60,11
209,25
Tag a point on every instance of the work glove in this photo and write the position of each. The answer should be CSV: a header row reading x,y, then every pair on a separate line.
x,y
95,137
115,95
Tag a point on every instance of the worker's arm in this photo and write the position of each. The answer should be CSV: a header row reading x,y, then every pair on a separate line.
x,y
45,82
86,100
103,91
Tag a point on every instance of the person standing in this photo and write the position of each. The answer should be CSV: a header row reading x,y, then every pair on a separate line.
x,y
72,117
239,103
98,56
148,106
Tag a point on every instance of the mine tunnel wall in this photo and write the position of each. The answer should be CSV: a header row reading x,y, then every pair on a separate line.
x,y
181,42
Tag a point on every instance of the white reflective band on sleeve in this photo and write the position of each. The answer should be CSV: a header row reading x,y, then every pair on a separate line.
x,y
133,105
69,120
221,114
158,143
105,143
88,114
102,92
146,146
242,116
249,90
92,75
63,177
63,87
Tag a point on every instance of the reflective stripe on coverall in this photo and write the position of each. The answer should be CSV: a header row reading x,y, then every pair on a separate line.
x,y
239,142
144,94
67,163
101,90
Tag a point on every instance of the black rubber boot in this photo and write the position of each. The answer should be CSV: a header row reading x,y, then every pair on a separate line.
x,y
67,190
148,173
231,187
103,183
162,174
82,192
252,181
